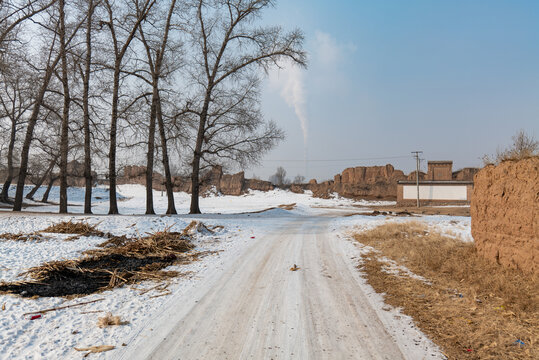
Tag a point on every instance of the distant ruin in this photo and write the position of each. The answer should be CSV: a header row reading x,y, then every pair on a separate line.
x,y
212,181
372,182
361,182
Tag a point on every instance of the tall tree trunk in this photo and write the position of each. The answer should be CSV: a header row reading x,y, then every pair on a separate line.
x,y
4,196
45,197
119,55
151,151
113,203
40,181
64,137
171,208
197,156
156,112
195,186
86,111
25,153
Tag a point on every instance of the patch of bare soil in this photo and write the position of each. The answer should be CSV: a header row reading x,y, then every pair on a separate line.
x,y
383,213
471,308
118,261
427,210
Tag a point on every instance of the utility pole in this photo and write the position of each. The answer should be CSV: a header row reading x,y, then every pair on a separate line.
x,y
416,155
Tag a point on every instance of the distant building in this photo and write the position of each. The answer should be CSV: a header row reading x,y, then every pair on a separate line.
x,y
438,186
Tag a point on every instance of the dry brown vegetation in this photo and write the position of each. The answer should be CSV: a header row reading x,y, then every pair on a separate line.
x,y
118,261
24,237
472,308
96,349
524,146
79,228
110,320
64,227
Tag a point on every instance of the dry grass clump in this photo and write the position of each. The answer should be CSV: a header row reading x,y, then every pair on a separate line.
x,y
64,227
159,244
24,237
472,308
114,241
130,261
79,228
110,320
96,349
288,206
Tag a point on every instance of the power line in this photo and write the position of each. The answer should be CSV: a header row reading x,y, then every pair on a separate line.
x,y
337,160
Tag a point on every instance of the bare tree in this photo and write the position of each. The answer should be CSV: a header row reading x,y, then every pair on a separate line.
x,y
156,45
228,51
123,25
86,74
42,178
279,178
51,63
523,146
15,101
53,57
299,179
64,138
13,13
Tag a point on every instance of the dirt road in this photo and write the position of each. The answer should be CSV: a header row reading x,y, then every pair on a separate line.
x,y
258,309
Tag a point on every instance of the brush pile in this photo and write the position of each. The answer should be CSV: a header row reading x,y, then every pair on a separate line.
x,y
117,262
79,228
159,244
65,227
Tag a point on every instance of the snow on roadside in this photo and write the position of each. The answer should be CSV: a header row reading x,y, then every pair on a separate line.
x,y
56,334
457,227
131,200
399,325
413,343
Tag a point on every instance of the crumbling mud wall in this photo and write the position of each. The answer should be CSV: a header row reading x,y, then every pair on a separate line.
x,y
505,213
365,182
211,181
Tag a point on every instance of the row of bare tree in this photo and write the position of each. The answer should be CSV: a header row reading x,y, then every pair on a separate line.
x,y
105,80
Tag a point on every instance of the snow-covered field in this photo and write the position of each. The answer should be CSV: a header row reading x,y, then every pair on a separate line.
x,y
57,333
132,200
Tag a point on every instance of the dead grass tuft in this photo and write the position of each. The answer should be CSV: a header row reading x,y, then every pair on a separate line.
x,y
471,308
160,244
37,237
114,241
288,207
79,228
110,320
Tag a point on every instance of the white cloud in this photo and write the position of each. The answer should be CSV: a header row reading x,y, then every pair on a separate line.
x,y
328,51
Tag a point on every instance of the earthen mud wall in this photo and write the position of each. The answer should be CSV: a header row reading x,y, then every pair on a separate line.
x,y
505,213
211,181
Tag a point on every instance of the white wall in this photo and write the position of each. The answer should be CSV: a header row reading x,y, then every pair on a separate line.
x,y
435,192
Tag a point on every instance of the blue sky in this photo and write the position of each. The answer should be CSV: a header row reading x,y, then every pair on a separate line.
x,y
455,79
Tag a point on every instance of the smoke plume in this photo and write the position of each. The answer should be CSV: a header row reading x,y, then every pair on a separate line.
x,y
289,80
